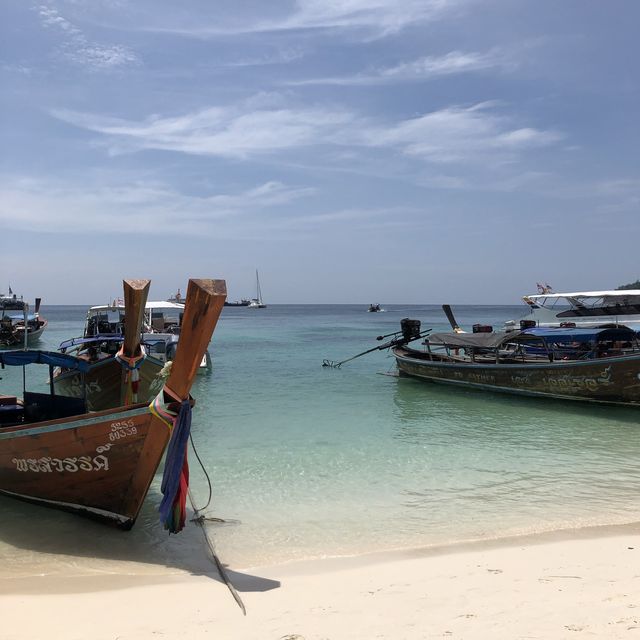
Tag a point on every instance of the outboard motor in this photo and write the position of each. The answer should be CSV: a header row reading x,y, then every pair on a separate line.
x,y
410,329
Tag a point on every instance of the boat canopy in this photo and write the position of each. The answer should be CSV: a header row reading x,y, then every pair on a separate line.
x,y
475,340
579,334
617,294
561,335
12,304
164,304
34,356
159,304
20,316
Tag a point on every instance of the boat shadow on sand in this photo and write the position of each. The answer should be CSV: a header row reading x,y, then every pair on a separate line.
x,y
36,541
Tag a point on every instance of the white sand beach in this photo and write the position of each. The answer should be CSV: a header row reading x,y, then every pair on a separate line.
x,y
575,584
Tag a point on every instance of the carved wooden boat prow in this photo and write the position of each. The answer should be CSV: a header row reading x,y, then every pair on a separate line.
x,y
100,464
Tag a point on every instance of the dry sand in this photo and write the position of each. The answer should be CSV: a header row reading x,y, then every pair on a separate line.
x,y
580,584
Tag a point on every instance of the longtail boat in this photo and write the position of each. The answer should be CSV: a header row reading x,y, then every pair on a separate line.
x,y
18,326
54,453
571,363
120,370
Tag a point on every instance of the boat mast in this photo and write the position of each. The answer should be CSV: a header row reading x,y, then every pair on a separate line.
x,y
258,292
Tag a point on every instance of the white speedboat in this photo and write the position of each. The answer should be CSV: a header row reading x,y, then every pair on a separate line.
x,y
583,309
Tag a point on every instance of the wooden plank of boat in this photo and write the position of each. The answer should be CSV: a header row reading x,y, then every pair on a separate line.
x,y
135,299
205,300
101,465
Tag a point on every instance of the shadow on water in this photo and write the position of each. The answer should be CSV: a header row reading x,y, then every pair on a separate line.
x,y
496,462
428,411
36,540
413,396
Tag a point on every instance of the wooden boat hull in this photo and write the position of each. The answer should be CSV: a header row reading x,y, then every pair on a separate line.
x,y
104,383
15,338
34,336
613,380
100,466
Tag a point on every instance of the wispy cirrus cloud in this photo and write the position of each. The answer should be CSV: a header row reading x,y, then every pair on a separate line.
x,y
388,16
462,135
375,18
78,49
454,135
283,56
621,194
235,131
152,208
424,68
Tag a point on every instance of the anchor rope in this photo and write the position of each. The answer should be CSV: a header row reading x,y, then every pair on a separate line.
x,y
200,520
172,512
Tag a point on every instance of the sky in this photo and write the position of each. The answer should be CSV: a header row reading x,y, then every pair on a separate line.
x,y
353,151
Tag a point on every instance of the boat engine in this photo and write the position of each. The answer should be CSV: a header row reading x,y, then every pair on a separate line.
x,y
410,329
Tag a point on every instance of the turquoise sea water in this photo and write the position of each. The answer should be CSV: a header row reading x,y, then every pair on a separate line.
x,y
307,461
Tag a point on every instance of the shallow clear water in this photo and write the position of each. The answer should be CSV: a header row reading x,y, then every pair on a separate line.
x,y
307,461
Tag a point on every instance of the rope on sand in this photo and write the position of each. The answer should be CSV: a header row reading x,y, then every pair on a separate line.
x,y
200,519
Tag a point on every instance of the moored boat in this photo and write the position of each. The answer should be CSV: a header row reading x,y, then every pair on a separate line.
x,y
257,303
244,302
582,308
111,345
102,339
18,326
588,364
176,298
54,453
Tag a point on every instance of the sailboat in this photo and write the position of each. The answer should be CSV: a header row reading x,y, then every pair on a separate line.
x,y
256,303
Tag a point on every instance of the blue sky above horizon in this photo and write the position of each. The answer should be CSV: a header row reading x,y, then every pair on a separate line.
x,y
424,151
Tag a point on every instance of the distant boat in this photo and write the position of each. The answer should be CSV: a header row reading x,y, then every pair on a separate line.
x,y
238,303
18,327
374,308
256,303
176,298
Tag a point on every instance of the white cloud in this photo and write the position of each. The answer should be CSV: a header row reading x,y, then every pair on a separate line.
x,y
620,186
149,208
77,48
386,15
450,135
229,132
369,216
284,56
461,135
376,18
424,68
622,194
